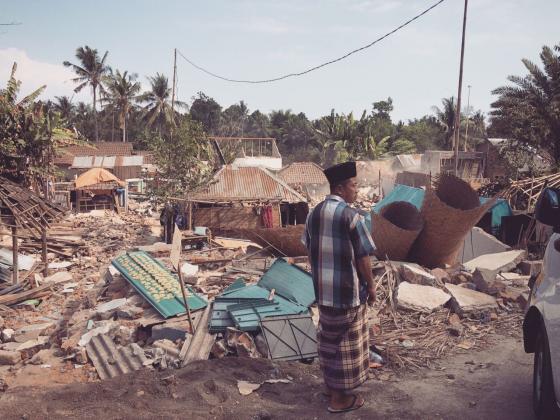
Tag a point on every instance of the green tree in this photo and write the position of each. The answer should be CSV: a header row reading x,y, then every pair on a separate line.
x,y
181,160
122,93
446,118
157,111
528,110
91,71
65,108
30,134
207,111
402,146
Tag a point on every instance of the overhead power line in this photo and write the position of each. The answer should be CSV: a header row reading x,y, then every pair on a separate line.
x,y
286,76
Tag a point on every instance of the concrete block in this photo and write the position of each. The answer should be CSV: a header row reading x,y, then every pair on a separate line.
x,y
529,268
478,243
9,357
466,301
516,280
499,262
31,332
420,298
413,273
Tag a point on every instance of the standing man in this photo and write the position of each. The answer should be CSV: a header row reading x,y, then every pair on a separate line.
x,y
339,247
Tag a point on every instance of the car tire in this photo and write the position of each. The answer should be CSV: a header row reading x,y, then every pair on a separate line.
x,y
544,400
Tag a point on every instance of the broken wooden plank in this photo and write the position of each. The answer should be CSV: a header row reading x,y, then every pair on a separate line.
x,y
202,341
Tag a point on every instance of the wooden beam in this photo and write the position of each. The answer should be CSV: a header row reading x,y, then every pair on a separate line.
x,y
14,255
44,252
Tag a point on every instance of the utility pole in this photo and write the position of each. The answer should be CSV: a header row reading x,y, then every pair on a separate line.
x,y
468,116
458,112
174,79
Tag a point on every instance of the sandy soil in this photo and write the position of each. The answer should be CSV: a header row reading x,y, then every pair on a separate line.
x,y
491,384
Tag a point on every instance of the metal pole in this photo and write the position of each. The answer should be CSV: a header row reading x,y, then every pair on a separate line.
x,y
468,116
458,112
174,79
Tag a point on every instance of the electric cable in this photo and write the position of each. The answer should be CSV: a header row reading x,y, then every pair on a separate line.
x,y
276,79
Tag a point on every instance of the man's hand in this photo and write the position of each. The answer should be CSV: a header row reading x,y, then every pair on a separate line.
x,y
371,295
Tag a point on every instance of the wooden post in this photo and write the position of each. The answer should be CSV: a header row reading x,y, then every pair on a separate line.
x,y
14,255
183,291
380,184
190,215
44,252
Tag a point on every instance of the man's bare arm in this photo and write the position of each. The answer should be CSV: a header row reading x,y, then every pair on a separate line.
x,y
364,272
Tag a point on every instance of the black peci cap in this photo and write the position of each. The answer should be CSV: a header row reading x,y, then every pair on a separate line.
x,y
340,172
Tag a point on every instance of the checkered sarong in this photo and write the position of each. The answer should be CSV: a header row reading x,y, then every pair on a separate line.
x,y
344,346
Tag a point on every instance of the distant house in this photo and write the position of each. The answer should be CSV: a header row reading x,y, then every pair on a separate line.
x,y
249,151
247,198
306,177
118,158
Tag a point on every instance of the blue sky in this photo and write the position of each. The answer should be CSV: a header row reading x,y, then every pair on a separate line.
x,y
266,38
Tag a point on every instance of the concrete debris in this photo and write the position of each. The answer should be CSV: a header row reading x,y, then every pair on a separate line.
x,y
104,328
106,310
219,349
247,388
168,346
466,301
516,280
7,335
441,276
242,343
9,357
31,332
171,330
478,243
420,298
530,268
59,278
499,262
415,274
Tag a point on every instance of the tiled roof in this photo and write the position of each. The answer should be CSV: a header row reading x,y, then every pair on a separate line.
x,y
248,183
66,155
303,173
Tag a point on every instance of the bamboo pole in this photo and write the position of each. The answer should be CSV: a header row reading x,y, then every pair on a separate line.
x,y
44,252
14,255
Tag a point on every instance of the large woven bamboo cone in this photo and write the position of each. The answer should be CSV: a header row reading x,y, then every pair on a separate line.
x,y
395,229
449,212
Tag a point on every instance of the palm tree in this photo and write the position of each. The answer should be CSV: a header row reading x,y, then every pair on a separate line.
x,y
528,109
446,118
122,92
65,108
91,71
158,98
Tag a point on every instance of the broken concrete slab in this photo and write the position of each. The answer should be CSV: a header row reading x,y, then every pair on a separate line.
x,y
107,309
31,332
516,280
530,268
414,274
420,298
477,243
9,357
58,278
467,301
104,328
171,330
499,262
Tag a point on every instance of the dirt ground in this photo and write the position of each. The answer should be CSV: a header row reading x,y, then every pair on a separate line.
x,y
490,384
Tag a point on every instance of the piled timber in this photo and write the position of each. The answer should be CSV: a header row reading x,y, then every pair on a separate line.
x,y
523,194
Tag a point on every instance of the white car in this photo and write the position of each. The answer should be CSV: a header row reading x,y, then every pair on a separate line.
x,y
541,333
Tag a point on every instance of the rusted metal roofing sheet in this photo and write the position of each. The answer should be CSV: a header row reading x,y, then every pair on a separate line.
x,y
246,183
303,173
110,360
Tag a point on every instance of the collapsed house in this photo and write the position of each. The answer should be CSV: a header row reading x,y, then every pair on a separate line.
x,y
307,178
99,189
247,198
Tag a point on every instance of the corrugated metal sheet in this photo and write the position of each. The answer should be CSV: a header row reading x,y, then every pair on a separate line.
x,y
83,162
248,184
96,149
303,173
136,160
111,361
80,162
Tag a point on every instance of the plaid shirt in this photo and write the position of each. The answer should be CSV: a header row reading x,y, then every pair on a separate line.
x,y
335,236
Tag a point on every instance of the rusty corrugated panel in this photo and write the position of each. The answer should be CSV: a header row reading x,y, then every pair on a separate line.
x,y
111,361
303,173
248,183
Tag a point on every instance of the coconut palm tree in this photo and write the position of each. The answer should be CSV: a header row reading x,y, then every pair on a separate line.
x,y
65,108
90,71
122,91
446,118
158,103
